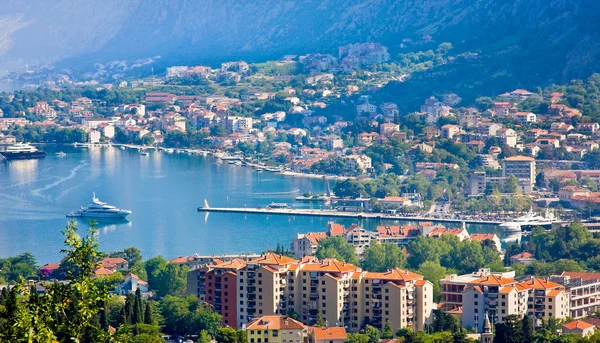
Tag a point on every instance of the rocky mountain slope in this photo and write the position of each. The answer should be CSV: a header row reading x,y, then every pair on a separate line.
x,y
512,31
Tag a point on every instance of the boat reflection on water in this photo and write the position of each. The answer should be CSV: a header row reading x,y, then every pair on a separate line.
x,y
511,237
104,225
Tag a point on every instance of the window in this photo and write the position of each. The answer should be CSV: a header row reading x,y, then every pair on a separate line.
x,y
259,274
386,297
387,290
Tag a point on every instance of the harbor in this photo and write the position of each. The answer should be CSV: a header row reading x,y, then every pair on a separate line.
x,y
336,214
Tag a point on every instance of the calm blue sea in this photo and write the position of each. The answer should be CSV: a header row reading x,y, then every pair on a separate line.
x,y
163,191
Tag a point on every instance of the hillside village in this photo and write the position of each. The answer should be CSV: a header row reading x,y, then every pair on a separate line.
x,y
323,117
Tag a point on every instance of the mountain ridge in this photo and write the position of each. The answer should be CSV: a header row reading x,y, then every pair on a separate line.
x,y
213,30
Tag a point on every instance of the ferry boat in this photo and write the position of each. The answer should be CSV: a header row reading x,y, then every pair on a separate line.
x,y
99,209
22,151
527,222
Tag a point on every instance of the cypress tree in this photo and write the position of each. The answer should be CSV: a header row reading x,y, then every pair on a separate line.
x,y
129,306
148,314
103,316
138,311
123,320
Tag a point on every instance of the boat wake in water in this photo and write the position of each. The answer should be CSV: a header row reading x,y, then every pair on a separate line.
x,y
38,192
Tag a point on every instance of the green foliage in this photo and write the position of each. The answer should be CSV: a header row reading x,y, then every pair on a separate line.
x,y
333,166
166,278
12,269
349,188
336,247
357,338
373,333
445,322
464,257
383,257
434,272
139,333
187,316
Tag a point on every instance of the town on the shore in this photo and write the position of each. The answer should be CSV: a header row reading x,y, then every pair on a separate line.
x,y
522,152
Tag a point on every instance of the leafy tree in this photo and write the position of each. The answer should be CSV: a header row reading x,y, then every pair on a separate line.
x,y
357,338
383,257
132,255
349,188
227,335
148,317
320,321
434,272
373,333
388,331
336,247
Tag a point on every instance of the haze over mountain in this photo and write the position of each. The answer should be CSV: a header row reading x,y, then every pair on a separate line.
x,y
562,34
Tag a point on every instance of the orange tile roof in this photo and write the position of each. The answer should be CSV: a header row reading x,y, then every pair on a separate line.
x,y
537,283
578,324
113,260
50,266
480,237
275,323
271,258
329,333
335,229
233,264
180,260
329,265
493,280
394,274
554,292
103,271
583,275
524,254
315,237
506,289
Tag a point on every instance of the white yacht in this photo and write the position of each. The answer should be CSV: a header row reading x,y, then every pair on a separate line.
x,y
527,222
99,209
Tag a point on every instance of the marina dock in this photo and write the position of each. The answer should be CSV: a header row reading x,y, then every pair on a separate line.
x,y
338,214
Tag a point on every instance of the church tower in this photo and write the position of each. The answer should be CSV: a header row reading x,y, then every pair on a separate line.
x,y
487,336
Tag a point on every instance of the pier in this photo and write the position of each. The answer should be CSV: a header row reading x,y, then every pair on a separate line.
x,y
338,214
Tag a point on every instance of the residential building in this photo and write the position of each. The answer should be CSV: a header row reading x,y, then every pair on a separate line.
x,y
276,329
262,285
452,287
495,296
361,162
394,202
221,289
579,327
306,244
524,258
131,284
328,335
584,292
477,183
546,299
341,293
523,168
449,131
